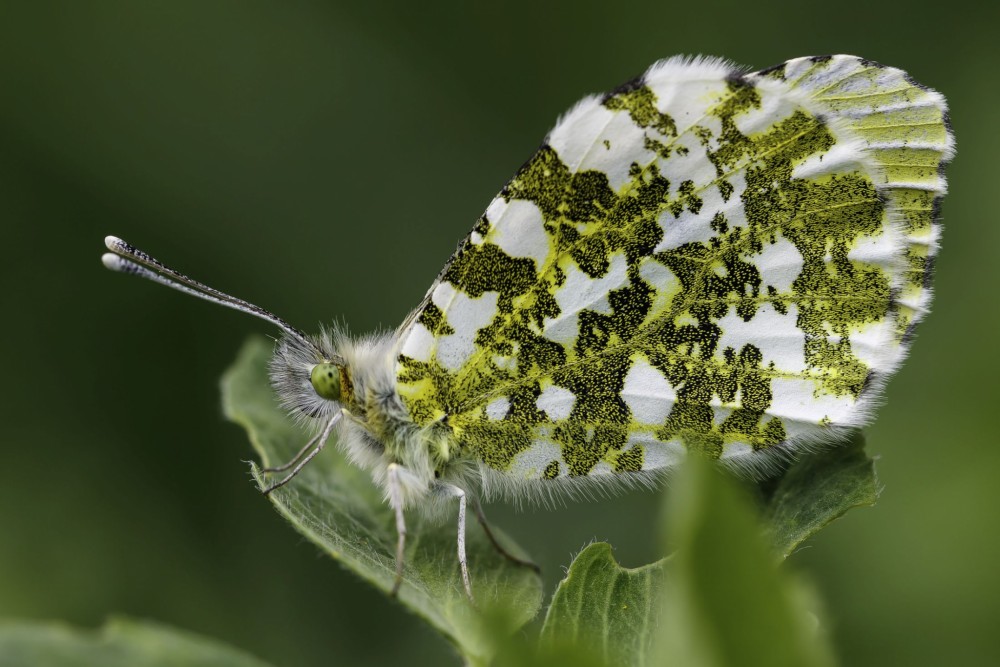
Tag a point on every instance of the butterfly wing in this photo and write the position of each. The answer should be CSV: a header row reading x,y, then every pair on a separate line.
x,y
702,259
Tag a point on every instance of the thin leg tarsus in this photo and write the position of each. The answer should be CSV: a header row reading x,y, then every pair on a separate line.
x,y
319,447
396,501
295,460
463,562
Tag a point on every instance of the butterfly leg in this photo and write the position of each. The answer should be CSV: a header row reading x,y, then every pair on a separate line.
x,y
463,561
396,501
324,436
295,459
478,509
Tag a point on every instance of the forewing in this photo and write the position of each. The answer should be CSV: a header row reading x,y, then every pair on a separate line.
x,y
702,259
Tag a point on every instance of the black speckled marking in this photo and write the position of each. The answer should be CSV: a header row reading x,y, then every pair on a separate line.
x,y
592,227
630,460
640,104
432,318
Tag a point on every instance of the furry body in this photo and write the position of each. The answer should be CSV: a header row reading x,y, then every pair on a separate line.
x,y
376,430
704,260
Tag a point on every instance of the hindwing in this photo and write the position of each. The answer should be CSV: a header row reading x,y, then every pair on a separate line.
x,y
702,259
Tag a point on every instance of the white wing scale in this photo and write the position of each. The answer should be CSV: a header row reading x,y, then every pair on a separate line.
x,y
883,127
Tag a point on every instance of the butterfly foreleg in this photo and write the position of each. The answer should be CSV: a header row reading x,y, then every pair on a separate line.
x,y
322,438
298,457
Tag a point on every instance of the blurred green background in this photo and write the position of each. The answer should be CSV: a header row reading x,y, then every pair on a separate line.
x,y
323,159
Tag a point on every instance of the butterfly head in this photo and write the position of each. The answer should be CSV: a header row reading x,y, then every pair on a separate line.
x,y
310,378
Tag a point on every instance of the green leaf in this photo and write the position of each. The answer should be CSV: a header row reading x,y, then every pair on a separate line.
x,y
119,643
727,604
336,506
818,489
615,609
611,610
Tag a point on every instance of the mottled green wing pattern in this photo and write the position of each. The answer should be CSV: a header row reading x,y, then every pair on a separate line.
x,y
702,259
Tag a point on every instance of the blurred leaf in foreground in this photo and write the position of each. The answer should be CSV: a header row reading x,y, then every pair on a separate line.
x,y
726,602
119,643
336,506
615,610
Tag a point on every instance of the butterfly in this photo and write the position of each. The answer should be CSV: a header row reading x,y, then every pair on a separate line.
x,y
704,260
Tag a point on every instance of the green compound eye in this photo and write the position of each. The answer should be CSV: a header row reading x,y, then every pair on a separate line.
x,y
325,380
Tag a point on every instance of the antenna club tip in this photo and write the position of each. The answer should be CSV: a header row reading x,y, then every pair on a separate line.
x,y
111,260
113,243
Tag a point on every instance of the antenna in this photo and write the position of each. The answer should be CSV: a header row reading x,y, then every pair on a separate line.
x,y
128,259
